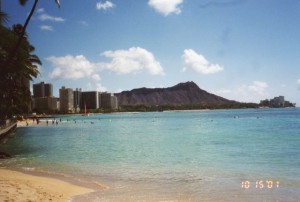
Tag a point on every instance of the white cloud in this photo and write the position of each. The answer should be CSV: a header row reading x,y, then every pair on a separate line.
x,y
74,68
298,81
96,77
283,85
133,60
119,90
46,27
71,67
253,92
166,7
40,10
84,23
198,63
44,17
258,87
100,88
78,67
223,91
104,6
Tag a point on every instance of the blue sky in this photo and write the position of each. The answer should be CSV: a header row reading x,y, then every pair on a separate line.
x,y
245,50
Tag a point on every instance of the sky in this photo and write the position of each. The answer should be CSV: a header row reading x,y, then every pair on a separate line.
x,y
243,50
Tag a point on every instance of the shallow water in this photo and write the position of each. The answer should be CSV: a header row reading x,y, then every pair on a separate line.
x,y
171,156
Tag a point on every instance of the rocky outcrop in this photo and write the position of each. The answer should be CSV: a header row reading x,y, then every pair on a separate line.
x,y
181,94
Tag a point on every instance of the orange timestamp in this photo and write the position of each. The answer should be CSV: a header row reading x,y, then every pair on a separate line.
x,y
260,184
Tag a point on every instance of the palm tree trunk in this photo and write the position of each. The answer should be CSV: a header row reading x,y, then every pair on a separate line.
x,y
14,51
26,23
0,12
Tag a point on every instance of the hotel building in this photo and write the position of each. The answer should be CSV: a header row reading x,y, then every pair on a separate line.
x,y
90,100
43,100
42,90
77,99
66,98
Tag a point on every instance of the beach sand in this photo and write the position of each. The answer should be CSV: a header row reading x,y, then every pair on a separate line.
x,y
17,186
30,122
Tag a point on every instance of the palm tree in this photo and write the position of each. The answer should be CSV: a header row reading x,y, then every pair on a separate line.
x,y
23,2
14,78
17,66
3,15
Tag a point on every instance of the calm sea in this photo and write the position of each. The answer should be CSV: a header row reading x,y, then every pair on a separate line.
x,y
219,155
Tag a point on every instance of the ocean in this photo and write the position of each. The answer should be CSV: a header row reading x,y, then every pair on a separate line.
x,y
213,155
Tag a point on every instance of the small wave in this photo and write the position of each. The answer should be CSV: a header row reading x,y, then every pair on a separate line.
x,y
102,186
29,168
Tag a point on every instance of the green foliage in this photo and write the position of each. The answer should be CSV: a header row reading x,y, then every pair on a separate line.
x,y
15,73
3,17
144,108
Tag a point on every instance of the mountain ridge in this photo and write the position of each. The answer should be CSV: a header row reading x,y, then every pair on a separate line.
x,y
185,93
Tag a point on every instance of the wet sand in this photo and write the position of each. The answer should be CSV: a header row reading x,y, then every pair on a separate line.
x,y
17,186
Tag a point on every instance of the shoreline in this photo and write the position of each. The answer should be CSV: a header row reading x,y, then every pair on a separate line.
x,y
50,117
27,186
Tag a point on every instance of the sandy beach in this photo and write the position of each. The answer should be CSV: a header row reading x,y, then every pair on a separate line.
x,y
30,122
17,186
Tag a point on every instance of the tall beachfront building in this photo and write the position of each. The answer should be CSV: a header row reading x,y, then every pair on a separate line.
x,y
90,100
114,102
109,101
43,100
66,98
77,99
96,100
42,90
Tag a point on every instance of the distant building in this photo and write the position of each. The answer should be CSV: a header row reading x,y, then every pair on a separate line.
x,y
77,99
114,102
66,98
43,100
276,102
265,103
42,90
105,100
45,104
70,100
90,100
109,101
96,100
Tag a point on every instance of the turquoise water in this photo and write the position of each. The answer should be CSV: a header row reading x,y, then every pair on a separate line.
x,y
171,156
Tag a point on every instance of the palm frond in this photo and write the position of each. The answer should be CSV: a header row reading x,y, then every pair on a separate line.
x,y
4,17
23,2
35,59
58,3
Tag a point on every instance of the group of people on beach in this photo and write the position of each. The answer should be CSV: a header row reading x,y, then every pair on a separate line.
x,y
37,120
